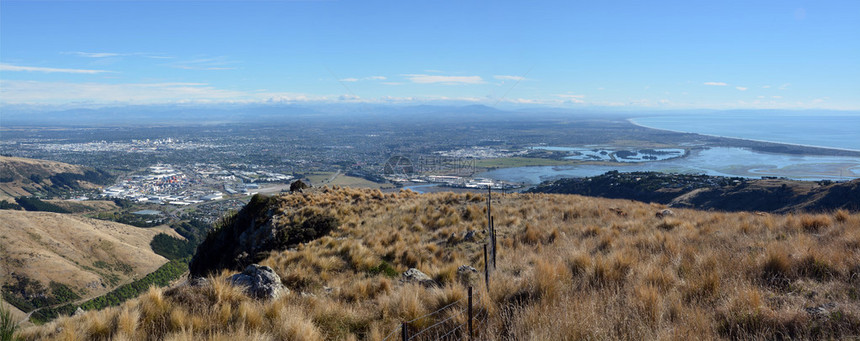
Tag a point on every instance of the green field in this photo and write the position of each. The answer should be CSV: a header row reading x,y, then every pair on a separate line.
x,y
319,179
520,162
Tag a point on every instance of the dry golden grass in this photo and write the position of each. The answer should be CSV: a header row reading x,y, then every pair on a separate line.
x,y
569,268
65,248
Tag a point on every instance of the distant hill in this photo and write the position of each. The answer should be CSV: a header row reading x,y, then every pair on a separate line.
x,y
25,177
714,192
50,258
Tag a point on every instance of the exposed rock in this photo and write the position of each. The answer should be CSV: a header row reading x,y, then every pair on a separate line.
x,y
248,236
821,310
298,186
468,275
199,282
260,282
469,235
78,312
414,275
618,211
664,213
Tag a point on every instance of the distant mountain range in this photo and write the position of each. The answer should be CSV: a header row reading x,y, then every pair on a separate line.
x,y
197,114
230,113
713,192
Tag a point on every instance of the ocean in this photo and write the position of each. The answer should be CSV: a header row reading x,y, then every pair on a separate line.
x,y
827,130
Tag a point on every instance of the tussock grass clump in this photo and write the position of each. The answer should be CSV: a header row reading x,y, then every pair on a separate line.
x,y
814,223
569,267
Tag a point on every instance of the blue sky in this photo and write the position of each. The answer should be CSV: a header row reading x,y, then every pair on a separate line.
x,y
626,54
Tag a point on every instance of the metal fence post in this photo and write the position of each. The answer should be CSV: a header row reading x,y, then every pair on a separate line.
x,y
405,331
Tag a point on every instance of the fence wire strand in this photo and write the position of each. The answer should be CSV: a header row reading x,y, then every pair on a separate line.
x,y
437,310
449,333
437,323
393,332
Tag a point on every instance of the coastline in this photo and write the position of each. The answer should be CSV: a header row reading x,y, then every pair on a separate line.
x,y
633,122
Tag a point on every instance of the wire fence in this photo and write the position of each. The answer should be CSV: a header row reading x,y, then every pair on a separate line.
x,y
454,327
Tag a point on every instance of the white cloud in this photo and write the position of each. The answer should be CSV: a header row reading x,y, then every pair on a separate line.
x,y
371,78
572,98
214,63
8,67
96,54
189,67
61,92
784,86
430,79
509,78
715,83
777,97
766,86
741,88
348,98
115,54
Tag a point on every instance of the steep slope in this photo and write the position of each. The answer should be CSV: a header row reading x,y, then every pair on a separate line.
x,y
714,192
24,177
90,257
569,267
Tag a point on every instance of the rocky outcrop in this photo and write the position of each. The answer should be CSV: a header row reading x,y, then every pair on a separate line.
x,y
260,282
248,236
414,275
298,186
664,213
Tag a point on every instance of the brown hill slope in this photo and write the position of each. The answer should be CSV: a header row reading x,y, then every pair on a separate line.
x,y
24,177
569,267
714,192
89,256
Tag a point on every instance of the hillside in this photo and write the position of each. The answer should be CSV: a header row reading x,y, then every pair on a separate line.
x,y
714,192
50,258
569,267
25,177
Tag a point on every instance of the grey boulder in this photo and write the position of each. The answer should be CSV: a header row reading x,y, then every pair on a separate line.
x,y
414,275
260,282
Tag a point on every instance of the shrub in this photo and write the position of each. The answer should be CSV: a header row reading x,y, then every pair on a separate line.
x,y
170,247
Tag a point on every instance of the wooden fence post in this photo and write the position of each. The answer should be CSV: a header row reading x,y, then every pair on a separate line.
x,y
486,269
493,239
489,206
470,313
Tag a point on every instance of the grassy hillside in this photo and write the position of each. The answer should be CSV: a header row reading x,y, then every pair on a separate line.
x,y
48,259
26,177
569,267
714,192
